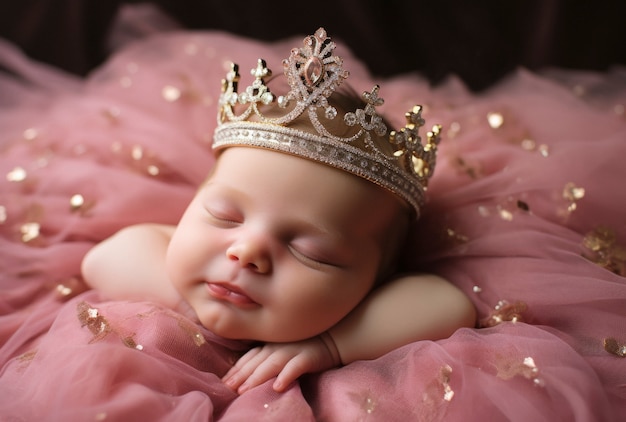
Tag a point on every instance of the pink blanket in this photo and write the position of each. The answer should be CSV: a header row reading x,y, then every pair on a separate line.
x,y
526,215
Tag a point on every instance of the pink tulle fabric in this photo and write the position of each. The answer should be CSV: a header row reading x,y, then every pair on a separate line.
x,y
525,214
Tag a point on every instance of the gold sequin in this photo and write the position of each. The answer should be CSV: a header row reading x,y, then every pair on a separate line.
x,y
137,153
505,312
30,134
112,114
18,174
70,287
444,376
603,250
473,170
30,231
544,150
456,237
28,356
192,331
508,369
612,346
495,120
130,342
90,317
571,192
79,204
505,214
171,93
153,170
364,400
528,144
77,201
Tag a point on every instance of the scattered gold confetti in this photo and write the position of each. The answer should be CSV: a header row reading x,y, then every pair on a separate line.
x,y
457,237
30,134
528,144
505,214
505,312
30,231
153,170
91,318
137,153
70,287
544,150
369,405
612,346
77,201
63,290
28,356
472,170
604,250
495,119
511,367
18,174
444,376
571,192
130,342
112,114
191,330
171,93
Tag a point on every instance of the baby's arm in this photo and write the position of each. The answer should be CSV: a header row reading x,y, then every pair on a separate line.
x,y
410,308
131,265
407,309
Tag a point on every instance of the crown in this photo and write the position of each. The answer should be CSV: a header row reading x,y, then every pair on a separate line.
x,y
302,123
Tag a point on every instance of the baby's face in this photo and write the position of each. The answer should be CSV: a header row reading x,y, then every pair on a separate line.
x,y
278,248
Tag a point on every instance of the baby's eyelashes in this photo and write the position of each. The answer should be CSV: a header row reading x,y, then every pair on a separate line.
x,y
223,217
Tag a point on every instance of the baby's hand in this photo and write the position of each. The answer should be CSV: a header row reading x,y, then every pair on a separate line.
x,y
286,361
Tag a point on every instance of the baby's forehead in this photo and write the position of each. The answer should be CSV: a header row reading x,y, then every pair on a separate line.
x,y
342,194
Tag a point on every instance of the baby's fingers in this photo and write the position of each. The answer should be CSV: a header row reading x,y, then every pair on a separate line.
x,y
292,370
259,370
243,368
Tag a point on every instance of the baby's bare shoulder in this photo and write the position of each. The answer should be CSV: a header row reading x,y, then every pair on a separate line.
x,y
130,261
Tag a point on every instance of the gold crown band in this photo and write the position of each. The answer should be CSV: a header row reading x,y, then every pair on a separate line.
x,y
327,151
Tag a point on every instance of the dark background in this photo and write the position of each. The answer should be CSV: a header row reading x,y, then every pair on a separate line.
x,y
478,40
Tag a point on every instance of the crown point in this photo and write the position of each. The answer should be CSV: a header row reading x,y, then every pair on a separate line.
x,y
261,70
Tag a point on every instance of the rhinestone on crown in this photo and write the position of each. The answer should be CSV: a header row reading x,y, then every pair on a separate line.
x,y
314,74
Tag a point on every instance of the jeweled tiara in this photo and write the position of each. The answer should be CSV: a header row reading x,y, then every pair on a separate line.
x,y
403,166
